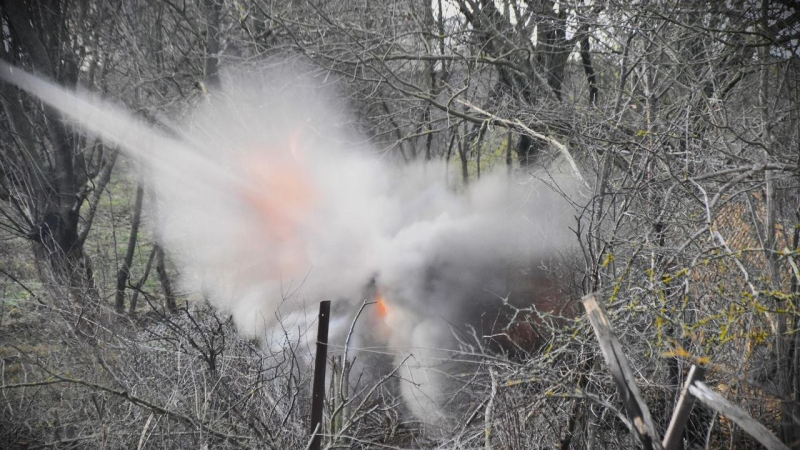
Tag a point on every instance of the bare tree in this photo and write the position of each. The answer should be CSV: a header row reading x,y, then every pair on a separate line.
x,y
50,180
681,117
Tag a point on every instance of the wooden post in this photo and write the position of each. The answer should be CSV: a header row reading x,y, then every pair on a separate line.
x,y
320,364
739,416
622,374
680,415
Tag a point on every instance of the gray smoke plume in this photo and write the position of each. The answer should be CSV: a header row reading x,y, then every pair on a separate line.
x,y
270,202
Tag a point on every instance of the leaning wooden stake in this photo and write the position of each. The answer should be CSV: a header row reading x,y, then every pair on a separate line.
x,y
721,405
674,435
623,375
320,364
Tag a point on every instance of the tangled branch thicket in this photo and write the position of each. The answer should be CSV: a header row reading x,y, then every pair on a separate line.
x,y
682,117
188,380
182,381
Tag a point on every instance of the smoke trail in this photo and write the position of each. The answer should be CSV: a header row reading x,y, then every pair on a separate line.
x,y
268,205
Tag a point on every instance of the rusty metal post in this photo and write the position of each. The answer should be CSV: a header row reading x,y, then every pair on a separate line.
x,y
318,386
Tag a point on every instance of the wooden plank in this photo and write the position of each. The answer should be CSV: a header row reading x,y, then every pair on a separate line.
x,y
623,375
318,386
739,416
674,435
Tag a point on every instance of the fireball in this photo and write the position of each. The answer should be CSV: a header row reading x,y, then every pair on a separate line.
x,y
282,196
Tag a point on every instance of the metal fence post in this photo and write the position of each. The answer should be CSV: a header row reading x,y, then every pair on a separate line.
x,y
318,386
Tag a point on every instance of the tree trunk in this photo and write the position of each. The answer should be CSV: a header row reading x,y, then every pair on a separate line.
x,y
57,244
138,286
163,278
462,152
124,272
586,59
212,11
161,267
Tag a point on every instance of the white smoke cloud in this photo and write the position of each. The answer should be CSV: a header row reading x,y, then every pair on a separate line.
x,y
438,256
269,203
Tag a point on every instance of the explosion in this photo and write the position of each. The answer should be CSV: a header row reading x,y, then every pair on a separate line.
x,y
265,223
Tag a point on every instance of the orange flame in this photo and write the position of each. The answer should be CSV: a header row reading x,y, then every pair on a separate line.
x,y
380,302
282,193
